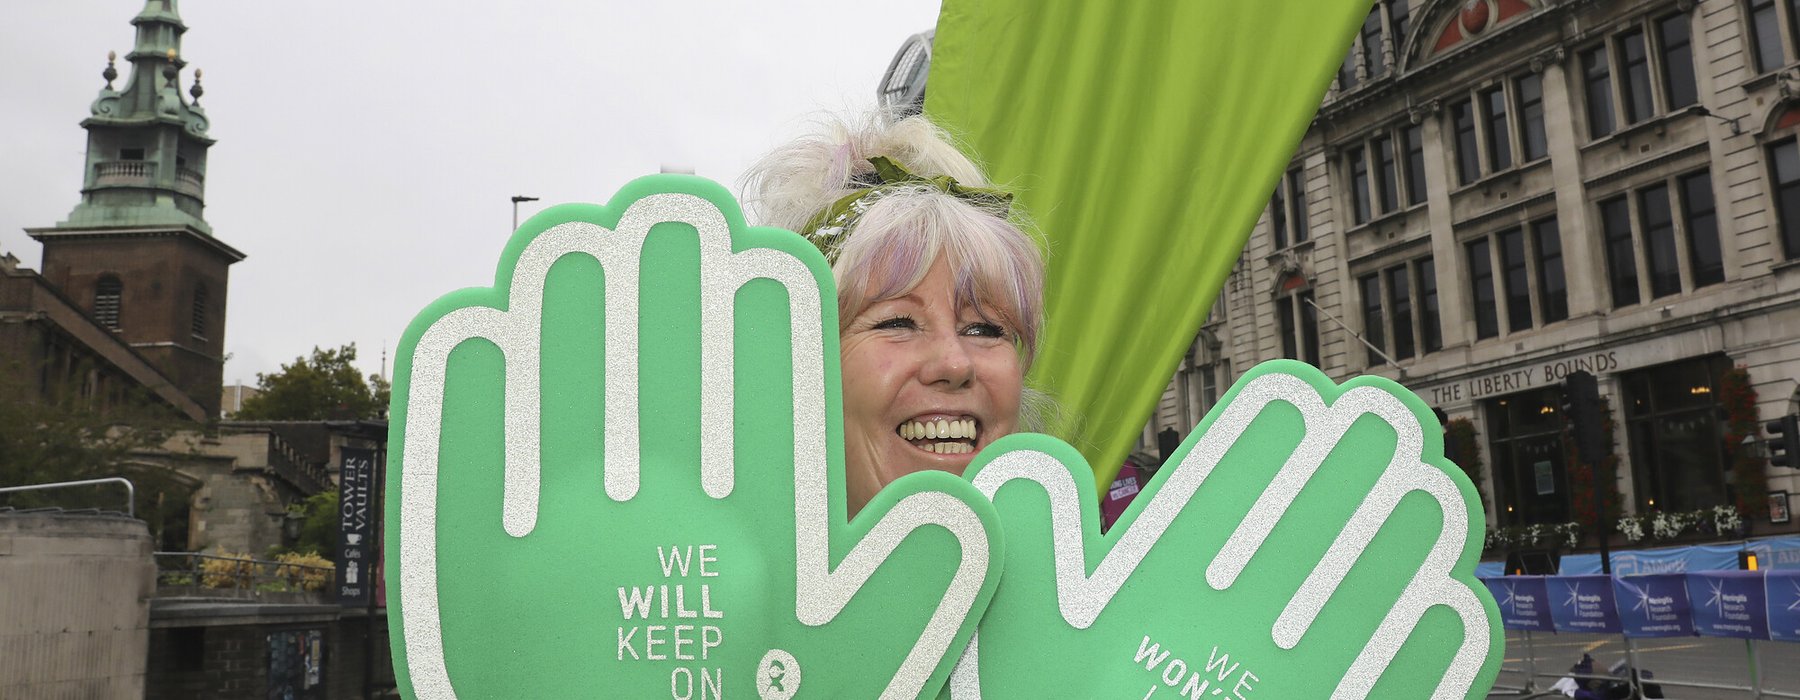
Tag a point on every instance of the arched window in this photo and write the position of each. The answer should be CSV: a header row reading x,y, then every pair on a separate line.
x,y
107,293
199,325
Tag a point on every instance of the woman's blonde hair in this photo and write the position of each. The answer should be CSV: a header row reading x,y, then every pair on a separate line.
x,y
996,260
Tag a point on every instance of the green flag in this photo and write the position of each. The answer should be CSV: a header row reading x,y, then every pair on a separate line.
x,y
1145,139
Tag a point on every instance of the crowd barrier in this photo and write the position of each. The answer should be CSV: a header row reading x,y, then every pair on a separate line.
x,y
1753,606
1771,553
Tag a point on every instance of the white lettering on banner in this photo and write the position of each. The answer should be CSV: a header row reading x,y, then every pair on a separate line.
x,y
1215,680
673,602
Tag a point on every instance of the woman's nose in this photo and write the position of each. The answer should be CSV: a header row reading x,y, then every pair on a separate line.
x,y
949,364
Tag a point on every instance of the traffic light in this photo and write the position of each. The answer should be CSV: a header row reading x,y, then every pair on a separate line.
x,y
1783,432
1586,415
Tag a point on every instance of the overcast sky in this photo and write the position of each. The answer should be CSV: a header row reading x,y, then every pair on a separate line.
x,y
367,151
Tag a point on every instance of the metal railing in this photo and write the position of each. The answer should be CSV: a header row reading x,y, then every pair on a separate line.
x,y
122,172
130,491
212,575
1691,668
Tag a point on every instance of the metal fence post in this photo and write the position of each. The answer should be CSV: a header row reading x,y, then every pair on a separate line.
x,y
1631,667
1530,665
1755,670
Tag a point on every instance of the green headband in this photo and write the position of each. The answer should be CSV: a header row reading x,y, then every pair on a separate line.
x,y
827,229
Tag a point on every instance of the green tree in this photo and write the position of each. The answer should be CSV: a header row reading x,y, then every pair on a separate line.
x,y
318,526
323,387
56,427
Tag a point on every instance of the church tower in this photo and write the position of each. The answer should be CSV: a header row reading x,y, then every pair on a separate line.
x,y
136,252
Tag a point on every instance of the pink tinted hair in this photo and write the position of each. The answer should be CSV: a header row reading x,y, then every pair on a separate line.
x,y
998,269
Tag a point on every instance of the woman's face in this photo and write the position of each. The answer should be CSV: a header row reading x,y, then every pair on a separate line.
x,y
927,384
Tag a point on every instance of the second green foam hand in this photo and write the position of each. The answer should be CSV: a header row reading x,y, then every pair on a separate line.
x,y
618,473
1308,540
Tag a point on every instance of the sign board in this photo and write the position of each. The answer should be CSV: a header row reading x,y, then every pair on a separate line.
x,y
357,513
1524,602
1654,605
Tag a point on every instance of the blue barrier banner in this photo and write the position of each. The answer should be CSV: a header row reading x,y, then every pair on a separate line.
x,y
1666,560
1729,604
1524,604
1490,569
1654,605
1776,552
1583,604
1783,589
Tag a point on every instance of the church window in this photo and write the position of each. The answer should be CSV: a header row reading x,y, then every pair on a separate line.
x,y
131,154
107,294
199,324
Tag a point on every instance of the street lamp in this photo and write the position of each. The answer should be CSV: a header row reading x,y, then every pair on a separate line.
x,y
515,200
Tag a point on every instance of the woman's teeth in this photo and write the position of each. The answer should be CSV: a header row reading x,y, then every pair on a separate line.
x,y
938,429
960,429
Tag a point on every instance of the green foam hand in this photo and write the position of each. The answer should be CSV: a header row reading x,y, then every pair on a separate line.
x,y
1307,541
618,473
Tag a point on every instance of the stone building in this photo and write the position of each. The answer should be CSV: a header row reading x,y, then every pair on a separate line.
x,y
136,252
133,283
1496,193
131,304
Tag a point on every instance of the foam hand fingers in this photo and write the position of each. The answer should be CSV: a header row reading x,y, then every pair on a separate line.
x,y
618,472
1308,540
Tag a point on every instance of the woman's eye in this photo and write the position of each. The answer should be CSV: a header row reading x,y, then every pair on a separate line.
x,y
984,330
896,323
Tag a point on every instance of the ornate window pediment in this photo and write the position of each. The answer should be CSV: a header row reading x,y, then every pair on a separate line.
x,y
1454,24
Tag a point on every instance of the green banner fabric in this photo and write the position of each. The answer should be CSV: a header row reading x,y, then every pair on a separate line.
x,y
1144,139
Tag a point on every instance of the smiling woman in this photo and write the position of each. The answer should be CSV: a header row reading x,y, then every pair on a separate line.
x,y
940,293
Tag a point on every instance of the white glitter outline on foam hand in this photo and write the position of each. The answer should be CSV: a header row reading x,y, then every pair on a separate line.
x,y
1081,598
821,593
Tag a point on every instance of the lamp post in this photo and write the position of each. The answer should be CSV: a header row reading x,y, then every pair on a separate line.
x,y
515,200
